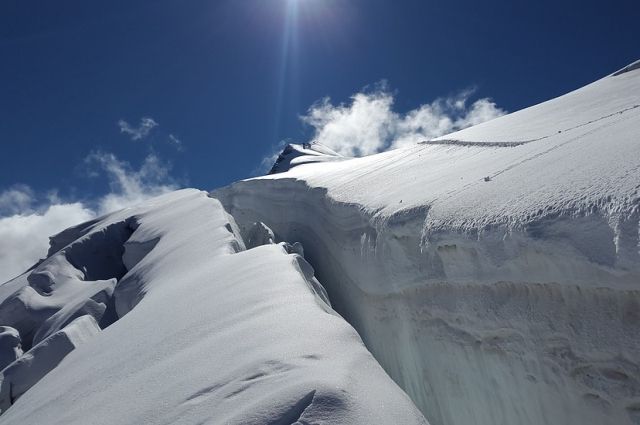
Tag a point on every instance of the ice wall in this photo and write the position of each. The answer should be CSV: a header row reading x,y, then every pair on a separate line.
x,y
502,328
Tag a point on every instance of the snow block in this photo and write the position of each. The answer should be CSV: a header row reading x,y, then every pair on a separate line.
x,y
10,346
18,377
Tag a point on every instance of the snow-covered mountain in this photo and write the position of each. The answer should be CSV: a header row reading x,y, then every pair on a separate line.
x,y
493,274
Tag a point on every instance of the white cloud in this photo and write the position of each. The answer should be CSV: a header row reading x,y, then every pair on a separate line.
x,y
16,199
128,186
368,124
141,131
358,129
27,222
24,238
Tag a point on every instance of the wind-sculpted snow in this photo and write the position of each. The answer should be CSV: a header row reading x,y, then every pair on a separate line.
x,y
493,272
77,278
207,332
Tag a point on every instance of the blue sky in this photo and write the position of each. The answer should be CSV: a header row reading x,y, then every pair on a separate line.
x,y
214,86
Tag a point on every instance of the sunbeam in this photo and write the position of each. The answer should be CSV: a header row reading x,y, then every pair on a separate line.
x,y
287,79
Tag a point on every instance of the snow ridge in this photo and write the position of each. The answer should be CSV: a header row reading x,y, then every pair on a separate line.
x,y
212,331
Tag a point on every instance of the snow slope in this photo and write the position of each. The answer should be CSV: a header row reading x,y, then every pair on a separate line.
x,y
494,271
199,330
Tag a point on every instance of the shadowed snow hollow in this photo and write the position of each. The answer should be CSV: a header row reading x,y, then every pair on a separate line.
x,y
494,272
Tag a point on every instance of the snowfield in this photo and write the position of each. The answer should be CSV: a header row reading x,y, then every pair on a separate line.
x,y
493,273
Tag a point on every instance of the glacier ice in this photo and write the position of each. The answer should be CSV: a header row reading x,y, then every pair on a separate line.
x,y
493,272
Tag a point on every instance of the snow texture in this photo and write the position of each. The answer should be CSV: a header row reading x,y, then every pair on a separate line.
x,y
494,271
201,329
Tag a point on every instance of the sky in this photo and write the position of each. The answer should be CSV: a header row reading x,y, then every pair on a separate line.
x,y
103,104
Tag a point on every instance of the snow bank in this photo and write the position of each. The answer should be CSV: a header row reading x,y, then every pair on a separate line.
x,y
211,332
493,272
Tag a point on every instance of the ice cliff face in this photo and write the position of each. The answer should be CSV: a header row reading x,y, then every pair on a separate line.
x,y
493,272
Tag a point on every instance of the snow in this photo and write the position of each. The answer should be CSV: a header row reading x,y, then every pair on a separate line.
x,y
293,155
10,346
30,367
494,271
206,331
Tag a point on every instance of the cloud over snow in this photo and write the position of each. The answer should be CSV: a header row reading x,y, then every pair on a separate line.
x,y
27,221
368,124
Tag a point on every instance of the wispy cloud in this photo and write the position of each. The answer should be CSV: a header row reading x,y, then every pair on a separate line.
x,y
127,185
175,142
16,199
368,124
141,131
27,220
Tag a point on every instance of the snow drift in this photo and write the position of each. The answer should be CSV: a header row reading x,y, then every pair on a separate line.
x,y
202,330
494,271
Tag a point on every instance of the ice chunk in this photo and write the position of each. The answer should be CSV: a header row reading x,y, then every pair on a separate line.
x,y
32,366
10,345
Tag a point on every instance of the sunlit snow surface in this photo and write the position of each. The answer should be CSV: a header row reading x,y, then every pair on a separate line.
x,y
494,272
207,331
